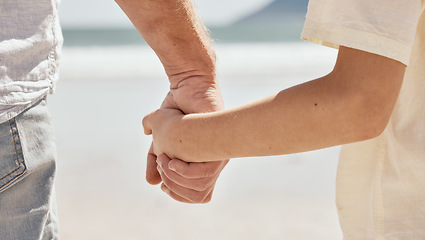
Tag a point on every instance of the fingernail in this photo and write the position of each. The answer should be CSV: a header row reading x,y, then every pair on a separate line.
x,y
171,167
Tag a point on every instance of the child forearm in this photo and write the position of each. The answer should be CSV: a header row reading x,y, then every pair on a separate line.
x,y
297,119
340,108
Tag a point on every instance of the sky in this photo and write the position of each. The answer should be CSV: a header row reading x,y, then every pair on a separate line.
x,y
106,13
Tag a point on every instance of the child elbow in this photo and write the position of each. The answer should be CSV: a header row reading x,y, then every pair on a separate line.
x,y
367,117
373,124
374,130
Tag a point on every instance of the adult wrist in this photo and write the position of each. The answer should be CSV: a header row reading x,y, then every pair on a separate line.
x,y
198,76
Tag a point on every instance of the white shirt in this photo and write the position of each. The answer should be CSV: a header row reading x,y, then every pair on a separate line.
x,y
30,42
381,182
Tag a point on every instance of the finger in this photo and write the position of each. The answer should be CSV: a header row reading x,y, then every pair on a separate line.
x,y
197,184
181,199
188,194
173,195
209,197
197,170
152,175
146,122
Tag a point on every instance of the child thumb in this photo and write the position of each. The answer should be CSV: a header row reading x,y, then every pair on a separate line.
x,y
147,123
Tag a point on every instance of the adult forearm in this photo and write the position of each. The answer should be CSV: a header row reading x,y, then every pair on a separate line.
x,y
172,29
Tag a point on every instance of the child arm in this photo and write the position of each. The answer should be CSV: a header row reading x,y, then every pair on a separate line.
x,y
352,103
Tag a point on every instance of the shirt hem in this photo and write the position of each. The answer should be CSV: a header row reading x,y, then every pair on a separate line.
x,y
335,36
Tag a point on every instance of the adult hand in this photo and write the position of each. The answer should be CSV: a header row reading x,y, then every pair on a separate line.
x,y
187,182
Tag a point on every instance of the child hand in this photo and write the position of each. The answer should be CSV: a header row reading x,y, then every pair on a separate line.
x,y
163,125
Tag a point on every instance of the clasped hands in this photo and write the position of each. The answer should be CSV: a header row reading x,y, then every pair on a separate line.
x,y
183,181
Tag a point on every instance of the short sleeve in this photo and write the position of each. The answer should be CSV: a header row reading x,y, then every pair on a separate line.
x,y
383,27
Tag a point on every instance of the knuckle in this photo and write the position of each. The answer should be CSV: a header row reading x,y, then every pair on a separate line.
x,y
145,120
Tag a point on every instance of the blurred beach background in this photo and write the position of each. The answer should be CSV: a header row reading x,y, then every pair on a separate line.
x,y
110,79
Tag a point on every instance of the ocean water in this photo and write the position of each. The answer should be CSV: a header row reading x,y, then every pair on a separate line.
x,y
287,29
104,92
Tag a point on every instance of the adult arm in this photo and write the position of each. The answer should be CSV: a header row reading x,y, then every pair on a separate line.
x,y
352,103
172,30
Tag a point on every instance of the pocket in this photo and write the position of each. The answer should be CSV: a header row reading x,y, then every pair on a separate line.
x,y
12,163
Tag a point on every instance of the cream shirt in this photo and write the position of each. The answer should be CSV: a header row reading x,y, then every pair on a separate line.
x,y
381,182
30,43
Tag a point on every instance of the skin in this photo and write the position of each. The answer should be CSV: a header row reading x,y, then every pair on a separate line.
x,y
352,103
173,31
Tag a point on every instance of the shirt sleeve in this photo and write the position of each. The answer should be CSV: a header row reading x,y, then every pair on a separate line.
x,y
383,27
